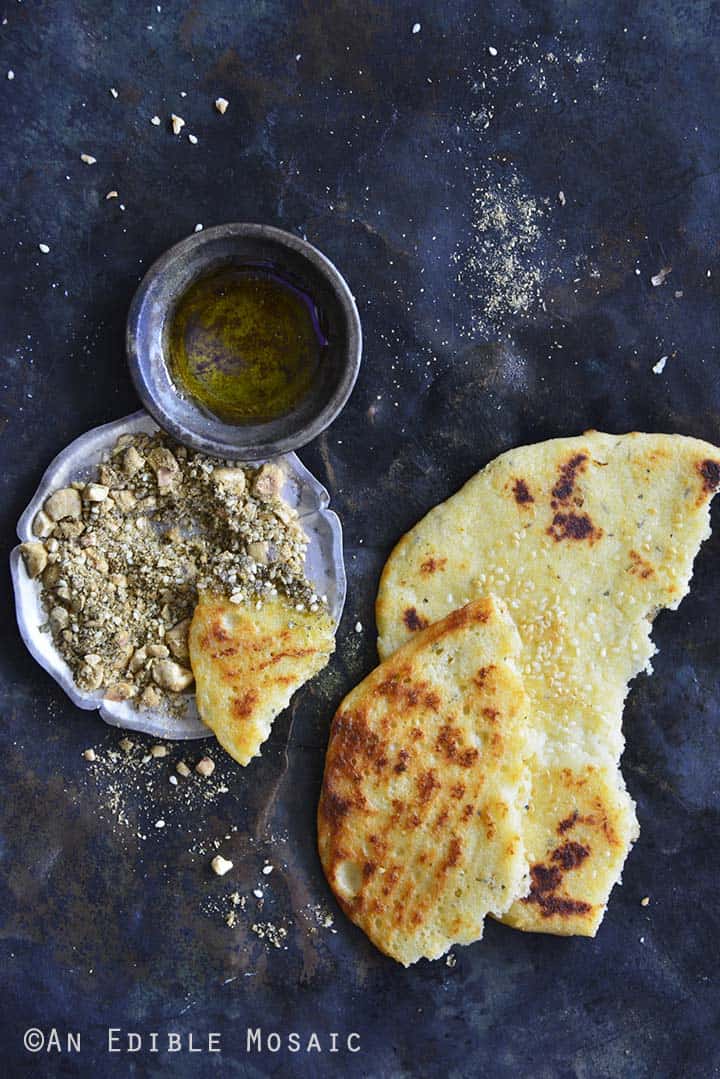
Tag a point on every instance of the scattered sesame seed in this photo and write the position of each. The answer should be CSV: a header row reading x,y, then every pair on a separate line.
x,y
113,91
111,195
88,159
192,139
358,627
198,228
11,75
492,50
257,893
89,755
174,780
267,870
44,248
645,901
155,121
416,28
160,823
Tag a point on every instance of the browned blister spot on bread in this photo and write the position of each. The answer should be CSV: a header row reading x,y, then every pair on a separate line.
x,y
413,620
574,526
432,565
565,485
521,492
710,472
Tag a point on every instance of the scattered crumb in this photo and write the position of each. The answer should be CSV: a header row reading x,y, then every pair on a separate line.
x,y
493,52
275,935
113,91
221,104
111,194
205,766
358,627
561,198
88,159
174,780
155,121
158,751
659,277
126,745
450,960
44,248
267,870
182,769
221,865
192,139
659,367
257,892
231,919
177,123
11,75
678,294
416,28
645,901
198,228
89,755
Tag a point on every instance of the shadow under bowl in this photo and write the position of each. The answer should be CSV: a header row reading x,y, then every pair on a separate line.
x,y
240,245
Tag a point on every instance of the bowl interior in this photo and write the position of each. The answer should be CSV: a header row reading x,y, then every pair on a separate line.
x,y
243,245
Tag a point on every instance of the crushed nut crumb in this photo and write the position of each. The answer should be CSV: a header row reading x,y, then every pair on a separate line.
x,y
221,865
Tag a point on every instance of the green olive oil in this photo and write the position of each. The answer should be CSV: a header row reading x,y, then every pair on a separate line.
x,y
245,344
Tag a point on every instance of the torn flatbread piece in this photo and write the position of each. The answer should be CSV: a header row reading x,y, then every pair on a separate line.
x,y
248,661
586,539
425,787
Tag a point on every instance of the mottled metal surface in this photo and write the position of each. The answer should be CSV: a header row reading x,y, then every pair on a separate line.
x,y
378,144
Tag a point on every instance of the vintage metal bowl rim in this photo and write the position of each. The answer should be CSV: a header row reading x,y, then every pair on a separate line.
x,y
233,447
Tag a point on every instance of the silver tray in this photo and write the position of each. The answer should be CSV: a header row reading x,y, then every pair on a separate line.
x,y
324,568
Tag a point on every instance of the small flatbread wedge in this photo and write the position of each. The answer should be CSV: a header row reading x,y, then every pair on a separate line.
x,y
425,788
586,539
248,663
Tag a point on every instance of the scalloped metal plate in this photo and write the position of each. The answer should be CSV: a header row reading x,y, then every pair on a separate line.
x,y
324,567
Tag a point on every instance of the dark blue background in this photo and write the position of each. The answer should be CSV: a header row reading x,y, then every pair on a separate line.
x,y
368,146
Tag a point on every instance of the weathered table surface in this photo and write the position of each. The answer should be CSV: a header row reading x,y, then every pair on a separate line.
x,y
496,311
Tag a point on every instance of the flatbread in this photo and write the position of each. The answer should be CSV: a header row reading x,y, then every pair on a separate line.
x,y
248,662
586,539
420,816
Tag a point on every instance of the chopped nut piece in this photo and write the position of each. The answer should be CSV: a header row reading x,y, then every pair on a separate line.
x,y
158,751
42,525
170,675
111,195
221,105
155,121
88,159
205,766
231,478
59,618
126,744
268,482
645,901
44,249
89,755
96,492
259,551
133,461
177,639
158,651
34,556
90,677
124,500
182,769
161,457
221,865
177,123
150,697
121,691
63,503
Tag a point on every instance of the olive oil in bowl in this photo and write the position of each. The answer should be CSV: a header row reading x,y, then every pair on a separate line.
x,y
245,344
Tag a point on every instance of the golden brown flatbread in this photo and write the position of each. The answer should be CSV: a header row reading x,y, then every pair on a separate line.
x,y
420,816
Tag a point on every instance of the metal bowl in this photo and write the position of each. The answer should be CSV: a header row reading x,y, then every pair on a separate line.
x,y
170,277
